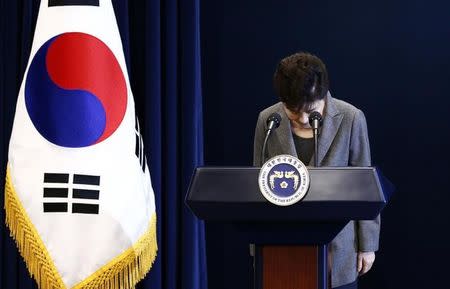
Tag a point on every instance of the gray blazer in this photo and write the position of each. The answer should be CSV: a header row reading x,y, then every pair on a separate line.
x,y
343,141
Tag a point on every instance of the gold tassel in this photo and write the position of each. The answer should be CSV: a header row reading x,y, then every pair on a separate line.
x,y
123,272
30,245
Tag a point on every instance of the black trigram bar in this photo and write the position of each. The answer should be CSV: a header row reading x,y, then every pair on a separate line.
x,y
142,154
52,3
139,150
55,207
84,208
85,194
86,180
56,178
56,192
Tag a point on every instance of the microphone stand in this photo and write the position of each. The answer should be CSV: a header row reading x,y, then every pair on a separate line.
x,y
315,119
272,122
316,145
263,152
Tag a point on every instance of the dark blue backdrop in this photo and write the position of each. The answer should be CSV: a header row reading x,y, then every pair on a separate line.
x,y
162,48
389,58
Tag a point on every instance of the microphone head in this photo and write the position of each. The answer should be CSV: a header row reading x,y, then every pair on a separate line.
x,y
315,115
275,118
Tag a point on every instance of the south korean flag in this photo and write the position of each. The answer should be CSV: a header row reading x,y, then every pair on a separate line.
x,y
78,195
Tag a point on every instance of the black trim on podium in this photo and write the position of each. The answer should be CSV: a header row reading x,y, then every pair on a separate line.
x,y
323,267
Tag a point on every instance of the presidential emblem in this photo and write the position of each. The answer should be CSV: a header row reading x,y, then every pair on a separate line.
x,y
283,180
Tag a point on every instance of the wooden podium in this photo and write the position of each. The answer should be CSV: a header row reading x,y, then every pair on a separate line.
x,y
291,242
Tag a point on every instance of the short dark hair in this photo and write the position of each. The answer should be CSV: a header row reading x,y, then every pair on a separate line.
x,y
300,79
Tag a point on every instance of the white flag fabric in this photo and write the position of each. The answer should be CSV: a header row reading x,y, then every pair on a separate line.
x,y
78,195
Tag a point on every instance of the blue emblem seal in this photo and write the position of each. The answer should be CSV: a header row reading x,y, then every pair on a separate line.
x,y
284,180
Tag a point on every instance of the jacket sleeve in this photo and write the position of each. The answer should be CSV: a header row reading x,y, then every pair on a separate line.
x,y
368,231
258,141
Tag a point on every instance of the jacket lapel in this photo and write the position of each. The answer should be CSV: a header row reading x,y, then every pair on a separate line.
x,y
331,121
284,133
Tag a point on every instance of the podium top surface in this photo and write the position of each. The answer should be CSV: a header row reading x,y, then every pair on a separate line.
x,y
335,194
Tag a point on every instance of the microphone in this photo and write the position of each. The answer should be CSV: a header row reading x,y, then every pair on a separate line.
x,y
273,122
315,121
